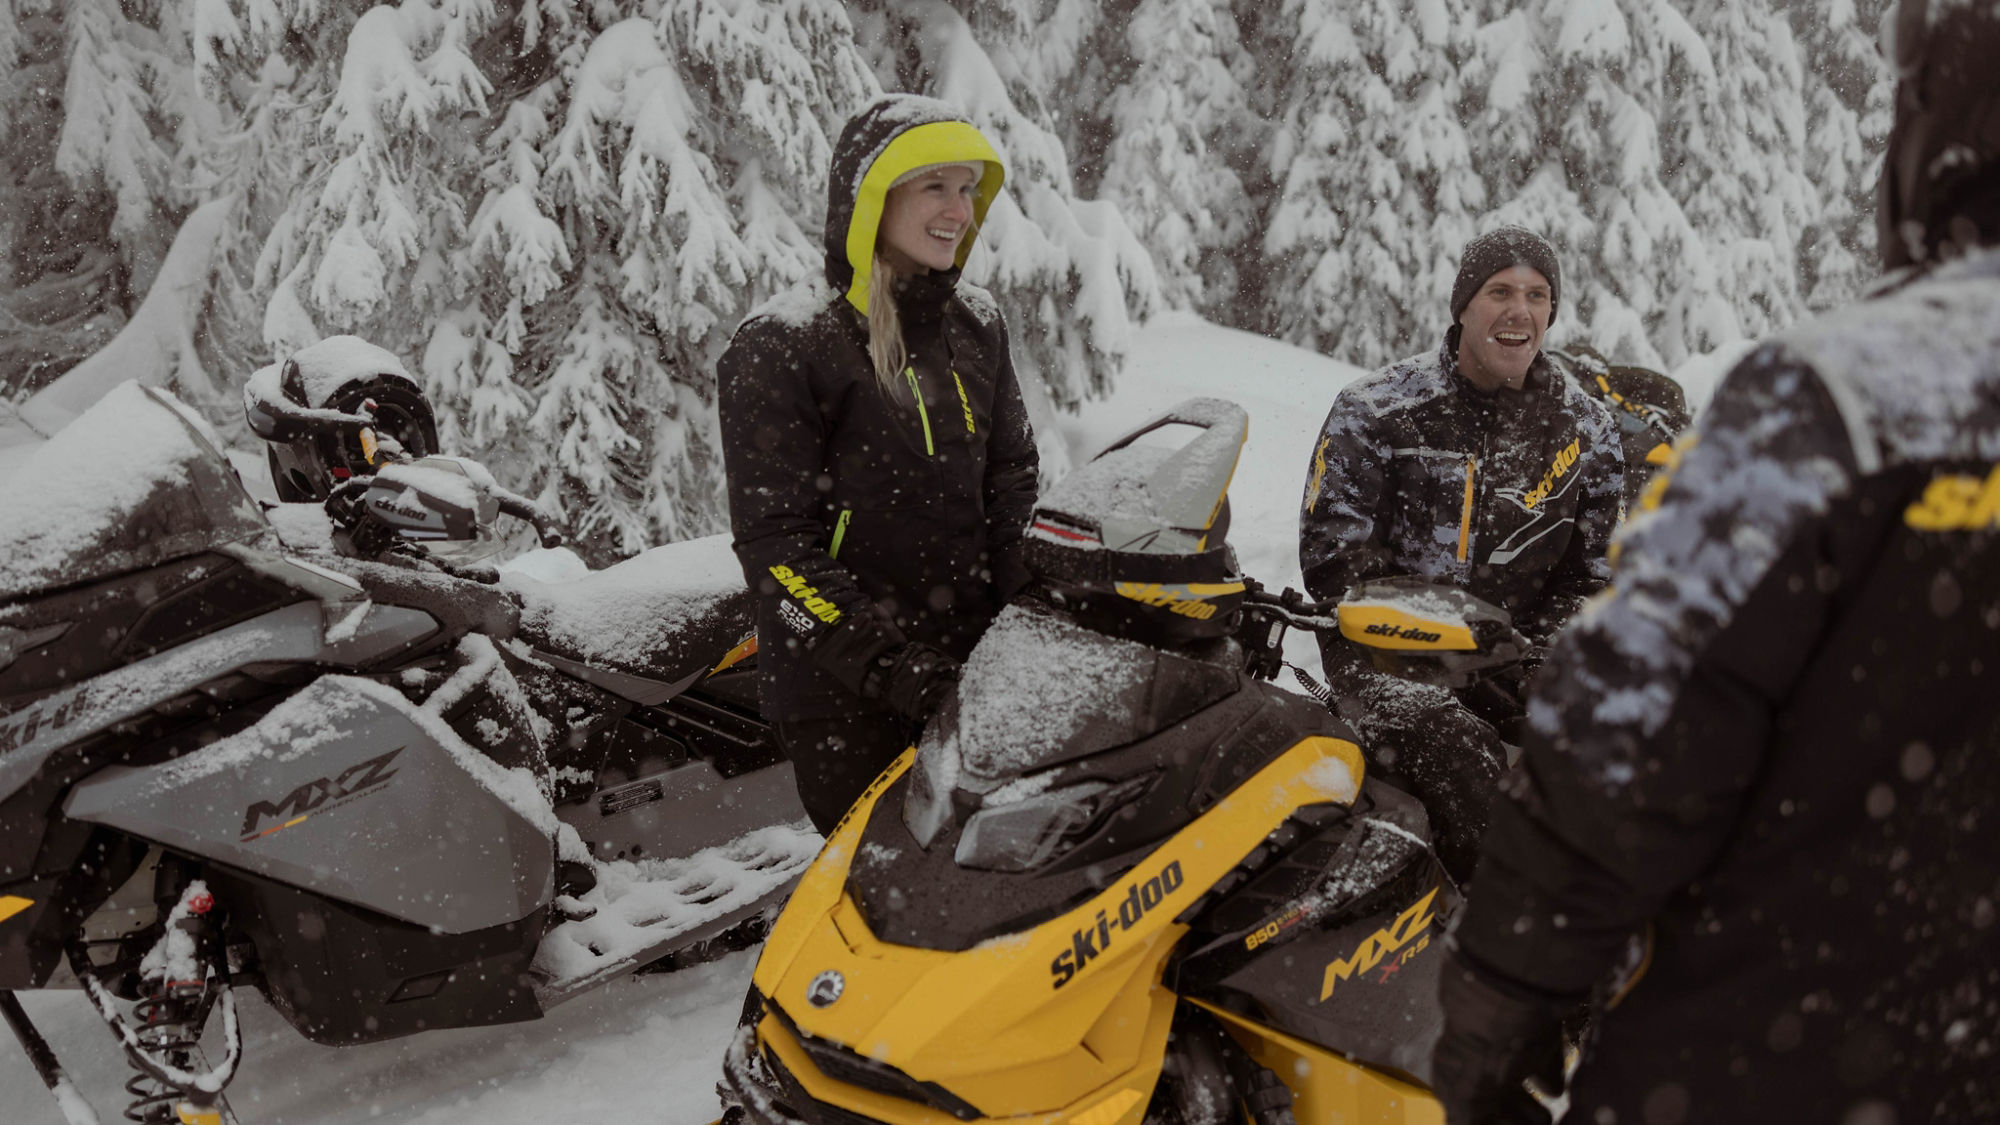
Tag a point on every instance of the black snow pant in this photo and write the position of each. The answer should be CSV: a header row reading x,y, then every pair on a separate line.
x,y
1448,749
835,759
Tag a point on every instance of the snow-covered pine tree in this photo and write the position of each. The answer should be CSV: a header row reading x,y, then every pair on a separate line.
x,y
1376,183
1738,164
1849,90
1180,118
62,286
1072,277
128,105
1574,106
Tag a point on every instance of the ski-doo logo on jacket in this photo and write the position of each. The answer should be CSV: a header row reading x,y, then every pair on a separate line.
x,y
1558,468
808,596
1408,925
1957,503
1094,940
314,796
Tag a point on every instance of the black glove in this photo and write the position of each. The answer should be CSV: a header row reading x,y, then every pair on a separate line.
x,y
1495,1038
868,655
916,683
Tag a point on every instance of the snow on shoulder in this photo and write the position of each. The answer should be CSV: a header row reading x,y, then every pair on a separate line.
x,y
795,307
983,305
135,481
337,361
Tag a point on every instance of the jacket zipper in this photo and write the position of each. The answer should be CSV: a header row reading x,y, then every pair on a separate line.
x,y
923,414
839,532
1465,519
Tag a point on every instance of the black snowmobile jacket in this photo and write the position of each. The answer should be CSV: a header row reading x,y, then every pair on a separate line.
x,y
1776,745
915,507
1512,495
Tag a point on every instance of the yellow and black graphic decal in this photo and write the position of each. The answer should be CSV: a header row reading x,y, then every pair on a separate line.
x,y
1382,626
319,795
1276,926
1405,937
744,650
1957,502
1093,941
1559,468
1187,599
11,905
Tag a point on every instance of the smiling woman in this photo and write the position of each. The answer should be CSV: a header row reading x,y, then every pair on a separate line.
x,y
881,468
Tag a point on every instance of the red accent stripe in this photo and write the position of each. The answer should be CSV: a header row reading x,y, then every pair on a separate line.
x,y
1066,533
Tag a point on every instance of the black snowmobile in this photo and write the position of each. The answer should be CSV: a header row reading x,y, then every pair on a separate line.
x,y
1123,878
336,766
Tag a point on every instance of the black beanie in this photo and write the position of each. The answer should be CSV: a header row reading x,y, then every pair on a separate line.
x,y
1500,249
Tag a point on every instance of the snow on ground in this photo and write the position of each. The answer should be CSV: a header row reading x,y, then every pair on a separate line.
x,y
647,1049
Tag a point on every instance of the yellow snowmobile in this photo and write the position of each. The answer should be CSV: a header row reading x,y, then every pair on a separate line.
x,y
1121,878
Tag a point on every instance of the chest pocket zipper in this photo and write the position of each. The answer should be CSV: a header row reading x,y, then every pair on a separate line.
x,y
1465,519
923,413
839,533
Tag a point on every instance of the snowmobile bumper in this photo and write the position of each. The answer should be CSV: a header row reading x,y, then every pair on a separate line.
x,y
755,1097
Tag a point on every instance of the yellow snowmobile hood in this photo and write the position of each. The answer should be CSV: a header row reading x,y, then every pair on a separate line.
x,y
1026,1026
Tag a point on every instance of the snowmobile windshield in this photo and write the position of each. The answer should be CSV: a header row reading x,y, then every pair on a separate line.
x,y
1038,691
135,481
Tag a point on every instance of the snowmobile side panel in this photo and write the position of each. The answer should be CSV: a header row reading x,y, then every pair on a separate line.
x,y
1039,1021
30,933
1327,1087
682,809
296,634
66,638
340,974
346,791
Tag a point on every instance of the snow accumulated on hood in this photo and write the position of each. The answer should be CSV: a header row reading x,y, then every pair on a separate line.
x,y
1031,684
643,606
135,481
335,362
321,713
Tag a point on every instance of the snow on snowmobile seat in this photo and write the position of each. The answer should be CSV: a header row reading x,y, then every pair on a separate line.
x,y
665,614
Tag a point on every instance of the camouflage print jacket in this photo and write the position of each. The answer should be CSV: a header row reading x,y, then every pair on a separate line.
x,y
1512,496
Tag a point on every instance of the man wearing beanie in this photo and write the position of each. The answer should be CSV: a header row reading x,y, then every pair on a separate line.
x,y
1477,465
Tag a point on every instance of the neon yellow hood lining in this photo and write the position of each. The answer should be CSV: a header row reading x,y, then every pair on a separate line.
x,y
939,142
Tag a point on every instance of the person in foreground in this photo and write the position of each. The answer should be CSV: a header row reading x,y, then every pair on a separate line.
x,y
1772,750
880,463
1478,464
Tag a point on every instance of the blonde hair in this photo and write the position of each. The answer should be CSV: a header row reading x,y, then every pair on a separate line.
x,y
885,331
885,324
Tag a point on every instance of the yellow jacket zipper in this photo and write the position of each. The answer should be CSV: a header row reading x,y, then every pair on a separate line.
x,y
923,414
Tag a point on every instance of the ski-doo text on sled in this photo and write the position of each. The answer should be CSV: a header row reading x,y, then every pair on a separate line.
x,y
302,751
1122,878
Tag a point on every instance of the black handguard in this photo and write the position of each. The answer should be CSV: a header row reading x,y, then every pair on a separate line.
x,y
1495,1038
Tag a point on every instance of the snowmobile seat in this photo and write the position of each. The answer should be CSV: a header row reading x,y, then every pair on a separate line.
x,y
669,614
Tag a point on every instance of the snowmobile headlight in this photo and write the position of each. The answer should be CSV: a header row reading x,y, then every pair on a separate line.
x,y
1025,834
